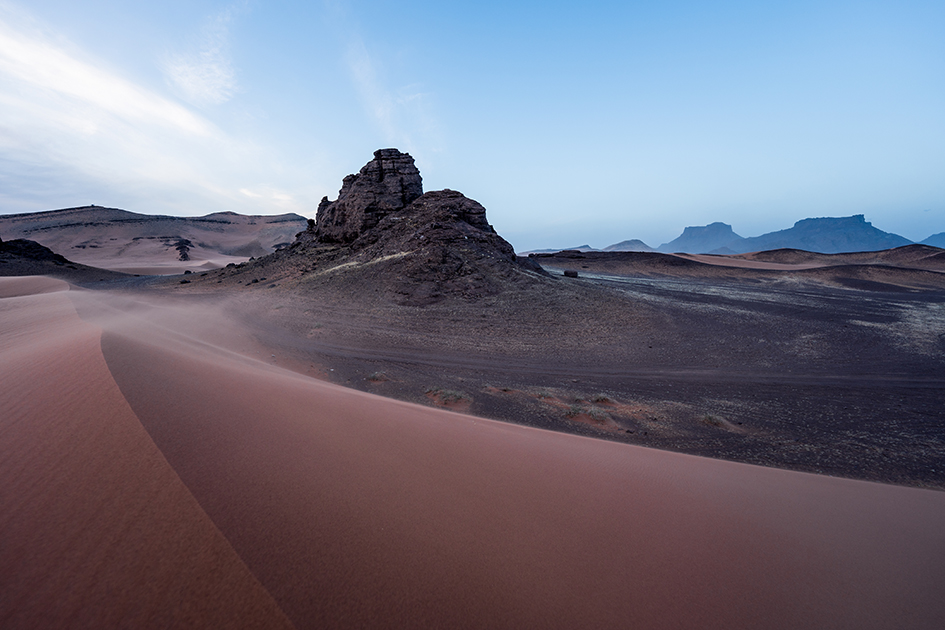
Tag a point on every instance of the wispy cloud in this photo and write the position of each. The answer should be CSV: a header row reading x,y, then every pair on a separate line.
x,y
403,115
29,59
204,74
72,128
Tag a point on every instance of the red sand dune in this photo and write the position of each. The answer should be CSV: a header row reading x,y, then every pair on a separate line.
x,y
155,473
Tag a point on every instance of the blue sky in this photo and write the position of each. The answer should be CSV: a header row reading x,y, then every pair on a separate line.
x,y
572,123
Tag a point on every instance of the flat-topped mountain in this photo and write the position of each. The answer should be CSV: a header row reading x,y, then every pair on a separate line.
x,y
112,238
702,239
829,235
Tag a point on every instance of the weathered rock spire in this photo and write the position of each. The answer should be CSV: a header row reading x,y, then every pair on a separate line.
x,y
386,184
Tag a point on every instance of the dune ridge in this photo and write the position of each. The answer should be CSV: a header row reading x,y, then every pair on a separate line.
x,y
358,511
97,529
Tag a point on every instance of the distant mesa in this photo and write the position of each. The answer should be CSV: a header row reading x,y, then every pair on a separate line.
x,y
703,239
826,236
829,235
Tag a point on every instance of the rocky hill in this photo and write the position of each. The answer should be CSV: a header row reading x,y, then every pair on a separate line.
x,y
384,235
117,239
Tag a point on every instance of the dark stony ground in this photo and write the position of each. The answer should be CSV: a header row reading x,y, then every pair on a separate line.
x,y
783,369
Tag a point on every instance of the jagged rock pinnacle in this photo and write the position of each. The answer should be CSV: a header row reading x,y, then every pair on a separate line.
x,y
386,184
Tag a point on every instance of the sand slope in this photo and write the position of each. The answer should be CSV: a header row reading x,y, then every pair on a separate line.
x,y
97,530
357,511
143,446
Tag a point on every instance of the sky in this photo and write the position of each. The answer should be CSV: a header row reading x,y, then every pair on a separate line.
x,y
572,123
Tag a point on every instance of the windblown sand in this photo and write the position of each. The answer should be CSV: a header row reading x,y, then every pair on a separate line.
x,y
156,471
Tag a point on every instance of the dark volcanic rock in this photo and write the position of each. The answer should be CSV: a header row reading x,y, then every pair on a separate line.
x,y
382,237
439,245
386,184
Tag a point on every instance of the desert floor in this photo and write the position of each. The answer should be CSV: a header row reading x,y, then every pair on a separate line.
x,y
199,455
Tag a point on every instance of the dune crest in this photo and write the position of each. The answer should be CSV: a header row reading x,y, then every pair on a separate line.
x,y
358,511
97,529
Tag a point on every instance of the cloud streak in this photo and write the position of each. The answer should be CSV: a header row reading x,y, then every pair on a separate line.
x,y
403,115
28,59
103,138
205,75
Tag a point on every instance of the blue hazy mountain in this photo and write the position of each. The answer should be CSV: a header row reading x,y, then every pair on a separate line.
x,y
936,240
831,235
702,239
633,245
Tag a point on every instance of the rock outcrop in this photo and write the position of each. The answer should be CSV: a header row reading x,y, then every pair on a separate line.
x,y
384,235
386,184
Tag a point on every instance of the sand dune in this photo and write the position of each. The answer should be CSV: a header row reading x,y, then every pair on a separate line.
x,y
97,529
180,478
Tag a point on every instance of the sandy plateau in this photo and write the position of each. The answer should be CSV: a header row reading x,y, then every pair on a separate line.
x,y
360,436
